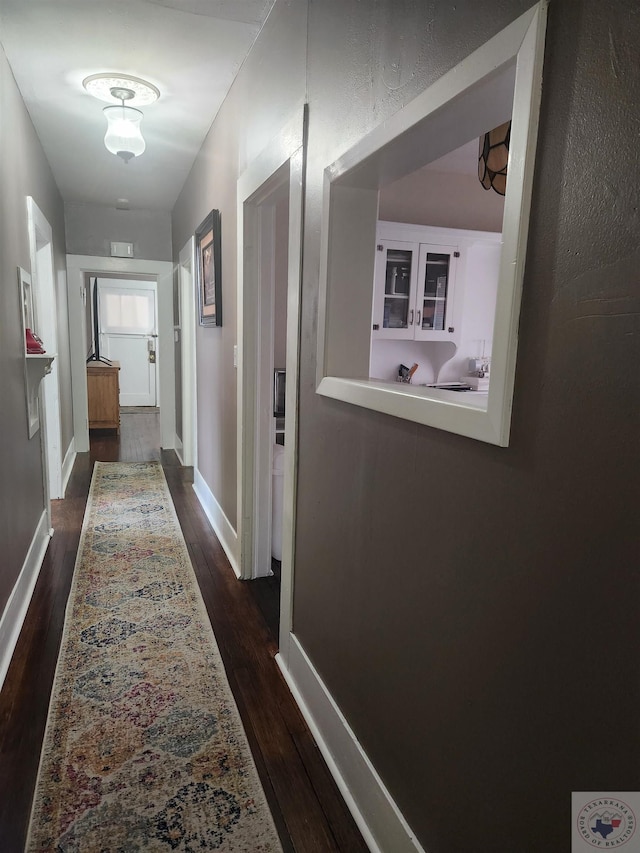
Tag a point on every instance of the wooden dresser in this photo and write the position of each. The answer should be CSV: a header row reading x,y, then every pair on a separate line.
x,y
103,391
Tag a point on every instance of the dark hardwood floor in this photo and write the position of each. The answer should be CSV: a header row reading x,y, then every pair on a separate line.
x,y
308,810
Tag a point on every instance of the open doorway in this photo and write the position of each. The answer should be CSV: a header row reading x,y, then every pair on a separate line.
x,y
44,292
270,195
81,268
266,227
494,91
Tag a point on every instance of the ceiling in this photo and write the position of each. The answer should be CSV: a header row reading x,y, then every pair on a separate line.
x,y
462,161
190,50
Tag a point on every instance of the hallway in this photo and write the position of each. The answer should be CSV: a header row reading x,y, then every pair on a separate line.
x,y
308,810
456,580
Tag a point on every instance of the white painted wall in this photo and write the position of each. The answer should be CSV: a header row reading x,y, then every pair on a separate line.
x,y
447,199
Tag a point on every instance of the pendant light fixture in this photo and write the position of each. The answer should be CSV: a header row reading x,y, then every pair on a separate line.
x,y
493,158
123,137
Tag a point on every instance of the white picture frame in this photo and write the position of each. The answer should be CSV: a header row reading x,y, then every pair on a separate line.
x,y
351,186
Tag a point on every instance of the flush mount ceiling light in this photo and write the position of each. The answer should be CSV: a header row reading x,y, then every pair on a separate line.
x,y
123,137
494,157
101,86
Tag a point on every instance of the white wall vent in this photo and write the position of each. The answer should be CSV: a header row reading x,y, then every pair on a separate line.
x,y
121,250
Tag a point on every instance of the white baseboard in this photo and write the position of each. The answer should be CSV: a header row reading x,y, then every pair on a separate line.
x,y
67,464
221,525
18,603
178,448
380,821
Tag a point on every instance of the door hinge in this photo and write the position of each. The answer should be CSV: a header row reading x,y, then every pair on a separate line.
x,y
380,247
456,254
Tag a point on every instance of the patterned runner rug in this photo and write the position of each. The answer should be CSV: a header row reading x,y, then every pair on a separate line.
x,y
144,748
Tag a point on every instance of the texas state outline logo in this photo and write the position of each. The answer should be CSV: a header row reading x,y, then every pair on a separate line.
x,y
604,821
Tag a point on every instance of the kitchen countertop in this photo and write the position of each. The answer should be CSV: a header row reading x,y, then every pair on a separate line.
x,y
470,399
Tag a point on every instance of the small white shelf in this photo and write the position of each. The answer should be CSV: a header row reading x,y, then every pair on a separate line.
x,y
37,365
40,362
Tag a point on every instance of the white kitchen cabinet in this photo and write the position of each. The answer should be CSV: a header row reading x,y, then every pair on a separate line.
x,y
436,317
395,287
414,286
445,291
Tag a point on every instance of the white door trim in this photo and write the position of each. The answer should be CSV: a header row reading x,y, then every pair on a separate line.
x,y
286,148
78,266
187,300
44,290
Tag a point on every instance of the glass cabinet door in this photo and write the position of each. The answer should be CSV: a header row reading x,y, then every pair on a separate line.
x,y
394,308
433,309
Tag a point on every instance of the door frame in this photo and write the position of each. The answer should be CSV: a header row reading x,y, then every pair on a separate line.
x,y
282,160
260,238
187,331
78,267
46,309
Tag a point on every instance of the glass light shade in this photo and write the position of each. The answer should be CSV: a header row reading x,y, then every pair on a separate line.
x,y
493,158
123,136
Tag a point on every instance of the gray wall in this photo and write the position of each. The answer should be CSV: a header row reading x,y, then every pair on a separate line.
x,y
267,93
451,593
24,171
91,228
473,610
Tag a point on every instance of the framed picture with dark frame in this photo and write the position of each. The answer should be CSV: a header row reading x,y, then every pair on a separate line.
x,y
208,276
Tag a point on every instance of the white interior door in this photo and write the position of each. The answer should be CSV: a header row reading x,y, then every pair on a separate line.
x,y
128,334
